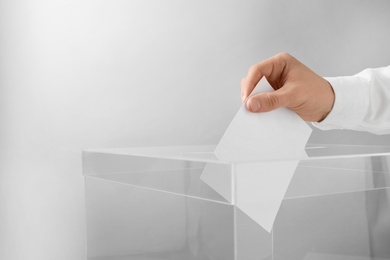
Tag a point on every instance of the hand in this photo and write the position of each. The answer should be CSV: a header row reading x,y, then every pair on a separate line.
x,y
296,87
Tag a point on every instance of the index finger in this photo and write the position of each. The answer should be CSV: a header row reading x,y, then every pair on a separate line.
x,y
272,68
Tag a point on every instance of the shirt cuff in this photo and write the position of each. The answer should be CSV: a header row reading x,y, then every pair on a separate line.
x,y
350,105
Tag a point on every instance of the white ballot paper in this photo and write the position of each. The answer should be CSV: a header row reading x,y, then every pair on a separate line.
x,y
264,149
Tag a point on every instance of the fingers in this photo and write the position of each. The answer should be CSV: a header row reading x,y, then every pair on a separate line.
x,y
265,102
273,69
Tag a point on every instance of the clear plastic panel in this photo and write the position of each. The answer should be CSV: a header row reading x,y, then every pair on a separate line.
x,y
252,241
185,203
180,182
132,223
97,163
344,226
332,176
205,153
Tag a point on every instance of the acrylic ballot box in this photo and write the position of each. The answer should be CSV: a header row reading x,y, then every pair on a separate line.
x,y
156,204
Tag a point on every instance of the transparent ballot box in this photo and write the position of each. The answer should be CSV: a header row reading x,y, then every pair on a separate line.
x,y
185,203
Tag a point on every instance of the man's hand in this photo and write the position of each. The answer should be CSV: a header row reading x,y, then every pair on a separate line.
x,y
296,87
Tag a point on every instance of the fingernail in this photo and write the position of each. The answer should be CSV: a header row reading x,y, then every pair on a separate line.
x,y
254,105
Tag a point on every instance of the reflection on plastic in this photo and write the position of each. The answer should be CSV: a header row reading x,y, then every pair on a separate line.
x,y
278,137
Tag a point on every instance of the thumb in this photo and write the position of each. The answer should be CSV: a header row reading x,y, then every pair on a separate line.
x,y
265,102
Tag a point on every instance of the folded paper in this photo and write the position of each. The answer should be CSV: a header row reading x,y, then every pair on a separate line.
x,y
265,149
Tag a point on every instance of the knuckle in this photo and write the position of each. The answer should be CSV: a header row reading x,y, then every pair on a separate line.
x,y
253,68
283,57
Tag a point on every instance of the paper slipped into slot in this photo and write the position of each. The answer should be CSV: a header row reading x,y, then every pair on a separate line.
x,y
265,149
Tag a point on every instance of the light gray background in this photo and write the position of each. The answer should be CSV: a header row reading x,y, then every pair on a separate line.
x,y
94,74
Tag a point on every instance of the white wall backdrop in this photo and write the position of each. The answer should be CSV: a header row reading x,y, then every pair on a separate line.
x,y
94,74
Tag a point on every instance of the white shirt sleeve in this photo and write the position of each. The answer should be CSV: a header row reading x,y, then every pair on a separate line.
x,y
362,102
